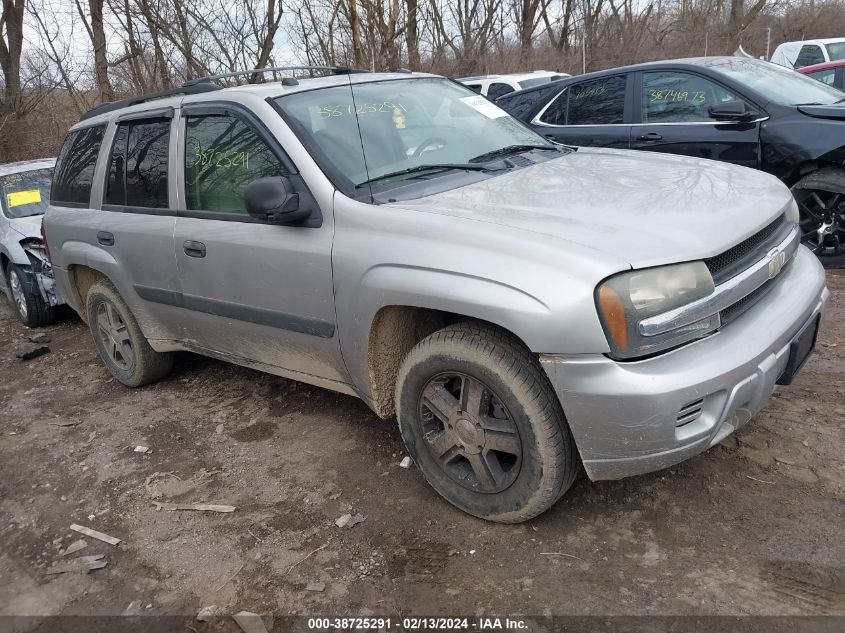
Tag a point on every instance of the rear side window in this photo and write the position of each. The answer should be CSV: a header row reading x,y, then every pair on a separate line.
x,y
223,154
497,90
597,102
826,76
810,54
522,104
74,172
138,165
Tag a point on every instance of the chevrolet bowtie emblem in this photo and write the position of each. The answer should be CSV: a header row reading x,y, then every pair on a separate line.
x,y
777,259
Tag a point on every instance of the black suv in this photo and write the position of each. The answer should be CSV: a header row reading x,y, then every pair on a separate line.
x,y
742,111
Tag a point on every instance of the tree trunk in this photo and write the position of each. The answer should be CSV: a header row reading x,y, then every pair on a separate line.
x,y
412,35
98,40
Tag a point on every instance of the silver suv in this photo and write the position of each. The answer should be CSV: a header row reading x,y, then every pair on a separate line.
x,y
25,273
521,307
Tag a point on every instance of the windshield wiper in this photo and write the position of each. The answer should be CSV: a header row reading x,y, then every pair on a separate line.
x,y
430,167
512,149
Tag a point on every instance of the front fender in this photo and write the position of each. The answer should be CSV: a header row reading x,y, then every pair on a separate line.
x,y
532,285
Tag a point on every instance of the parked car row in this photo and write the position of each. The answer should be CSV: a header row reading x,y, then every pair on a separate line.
x,y
525,309
742,111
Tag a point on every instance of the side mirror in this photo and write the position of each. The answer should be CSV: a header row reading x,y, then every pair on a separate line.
x,y
273,200
734,110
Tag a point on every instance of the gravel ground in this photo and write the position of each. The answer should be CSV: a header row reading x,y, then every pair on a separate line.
x,y
753,526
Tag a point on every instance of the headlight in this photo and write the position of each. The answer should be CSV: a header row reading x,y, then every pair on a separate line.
x,y
624,300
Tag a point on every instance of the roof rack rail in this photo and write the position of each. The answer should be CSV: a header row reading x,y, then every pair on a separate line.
x,y
335,70
190,88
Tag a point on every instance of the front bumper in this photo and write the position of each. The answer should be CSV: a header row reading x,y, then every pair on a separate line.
x,y
636,417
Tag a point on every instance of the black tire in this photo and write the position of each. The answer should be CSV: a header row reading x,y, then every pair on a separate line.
x,y
821,201
122,346
518,392
27,301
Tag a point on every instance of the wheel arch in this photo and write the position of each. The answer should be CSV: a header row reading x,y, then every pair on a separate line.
x,y
394,331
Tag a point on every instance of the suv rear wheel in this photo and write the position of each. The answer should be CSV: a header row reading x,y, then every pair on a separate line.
x,y
821,201
29,304
483,424
121,344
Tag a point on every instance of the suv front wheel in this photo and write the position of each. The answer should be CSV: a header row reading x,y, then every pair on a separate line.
x,y
119,341
821,201
481,421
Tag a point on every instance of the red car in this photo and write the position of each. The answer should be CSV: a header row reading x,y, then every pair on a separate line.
x,y
830,73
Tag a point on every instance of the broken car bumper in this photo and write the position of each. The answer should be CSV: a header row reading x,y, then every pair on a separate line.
x,y
636,417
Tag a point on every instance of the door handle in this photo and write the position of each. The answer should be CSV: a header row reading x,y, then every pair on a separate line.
x,y
105,238
193,248
650,137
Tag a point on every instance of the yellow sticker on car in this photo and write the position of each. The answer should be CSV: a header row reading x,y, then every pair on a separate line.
x,y
20,198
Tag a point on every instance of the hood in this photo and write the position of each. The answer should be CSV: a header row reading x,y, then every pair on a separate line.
x,y
836,112
645,207
28,227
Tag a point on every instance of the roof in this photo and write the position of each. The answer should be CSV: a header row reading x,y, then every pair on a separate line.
x,y
826,65
262,91
26,165
516,76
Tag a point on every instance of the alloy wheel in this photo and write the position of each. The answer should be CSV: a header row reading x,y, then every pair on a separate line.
x,y
822,221
114,335
18,292
469,433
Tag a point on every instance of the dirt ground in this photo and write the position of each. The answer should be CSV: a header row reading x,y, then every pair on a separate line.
x,y
754,526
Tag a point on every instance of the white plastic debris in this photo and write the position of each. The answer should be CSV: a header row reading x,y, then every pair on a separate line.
x,y
406,462
249,622
207,613
202,507
75,547
100,536
142,449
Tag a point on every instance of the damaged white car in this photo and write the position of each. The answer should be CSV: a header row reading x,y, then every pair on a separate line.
x,y
27,275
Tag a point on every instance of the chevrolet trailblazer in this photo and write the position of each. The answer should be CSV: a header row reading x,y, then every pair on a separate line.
x,y
522,308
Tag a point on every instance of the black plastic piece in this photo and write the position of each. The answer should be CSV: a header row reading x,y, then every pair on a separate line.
x,y
190,88
33,353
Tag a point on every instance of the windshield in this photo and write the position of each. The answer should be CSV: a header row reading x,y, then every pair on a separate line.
x,y
836,51
404,124
776,83
26,193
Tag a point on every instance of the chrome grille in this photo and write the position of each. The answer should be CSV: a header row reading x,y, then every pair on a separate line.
x,y
736,259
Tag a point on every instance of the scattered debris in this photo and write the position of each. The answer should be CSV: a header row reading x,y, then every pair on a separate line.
x,y
65,423
472,551
207,613
203,507
133,608
762,481
316,586
406,462
335,495
83,563
310,554
219,429
230,578
249,622
35,352
94,534
142,449
348,520
75,547
560,554
40,338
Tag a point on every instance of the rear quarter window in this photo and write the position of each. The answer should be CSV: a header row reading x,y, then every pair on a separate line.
x,y
74,173
524,104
